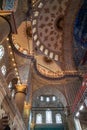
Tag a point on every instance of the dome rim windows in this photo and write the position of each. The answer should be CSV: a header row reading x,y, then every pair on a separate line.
x,y
47,98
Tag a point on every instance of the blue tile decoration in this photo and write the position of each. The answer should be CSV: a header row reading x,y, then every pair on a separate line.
x,y
80,34
80,26
9,4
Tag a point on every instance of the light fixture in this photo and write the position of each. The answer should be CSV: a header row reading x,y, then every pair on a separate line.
x,y
77,114
81,107
15,69
18,77
10,53
13,59
9,46
14,64
7,39
17,73
19,82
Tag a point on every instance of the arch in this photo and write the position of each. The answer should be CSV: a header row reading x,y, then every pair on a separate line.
x,y
68,34
50,90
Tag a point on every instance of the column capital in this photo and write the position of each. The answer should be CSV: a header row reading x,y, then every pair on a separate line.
x,y
20,88
27,105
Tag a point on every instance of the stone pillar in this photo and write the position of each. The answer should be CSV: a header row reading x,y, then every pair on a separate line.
x,y
28,103
70,121
20,96
26,115
4,29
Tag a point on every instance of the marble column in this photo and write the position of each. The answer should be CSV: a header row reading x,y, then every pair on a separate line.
x,y
20,96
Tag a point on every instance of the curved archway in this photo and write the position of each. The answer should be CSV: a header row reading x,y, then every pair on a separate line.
x,y
80,35
68,34
50,90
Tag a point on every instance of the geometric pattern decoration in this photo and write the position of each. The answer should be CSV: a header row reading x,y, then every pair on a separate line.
x,y
47,27
10,5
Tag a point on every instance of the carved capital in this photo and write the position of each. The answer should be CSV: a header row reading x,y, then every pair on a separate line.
x,y
20,88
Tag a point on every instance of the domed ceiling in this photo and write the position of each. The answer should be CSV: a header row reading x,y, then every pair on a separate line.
x,y
44,38
47,27
23,39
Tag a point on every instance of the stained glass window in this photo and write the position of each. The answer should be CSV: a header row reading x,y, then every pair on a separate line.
x,y
1,51
53,98
41,98
48,116
3,69
13,93
47,99
58,118
38,118
85,101
10,85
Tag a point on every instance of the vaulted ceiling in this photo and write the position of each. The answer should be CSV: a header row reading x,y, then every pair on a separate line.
x,y
46,34
51,36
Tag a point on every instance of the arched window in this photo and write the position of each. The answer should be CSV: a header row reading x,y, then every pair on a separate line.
x,y
53,98
47,99
41,98
48,116
1,51
10,85
39,119
3,69
13,93
58,118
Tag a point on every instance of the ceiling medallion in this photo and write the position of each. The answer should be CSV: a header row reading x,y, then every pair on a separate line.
x,y
59,23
